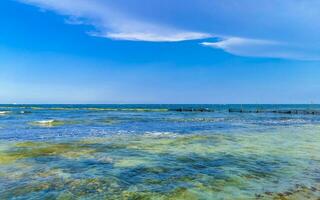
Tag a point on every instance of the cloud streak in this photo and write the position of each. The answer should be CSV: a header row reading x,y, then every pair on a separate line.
x,y
113,24
269,28
262,48
176,36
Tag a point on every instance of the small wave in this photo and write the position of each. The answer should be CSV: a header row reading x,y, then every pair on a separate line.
x,y
52,123
25,112
128,109
206,120
159,134
44,122
5,112
287,121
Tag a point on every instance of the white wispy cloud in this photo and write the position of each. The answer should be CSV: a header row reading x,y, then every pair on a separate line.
x,y
158,37
233,42
261,48
112,24
282,29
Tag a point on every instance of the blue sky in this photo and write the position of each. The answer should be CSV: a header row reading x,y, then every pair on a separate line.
x,y
138,51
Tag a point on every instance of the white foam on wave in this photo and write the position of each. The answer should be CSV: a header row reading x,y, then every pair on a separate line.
x,y
24,112
5,112
287,121
44,123
159,133
50,121
199,120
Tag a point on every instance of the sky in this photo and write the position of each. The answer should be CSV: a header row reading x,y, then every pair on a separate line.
x,y
159,51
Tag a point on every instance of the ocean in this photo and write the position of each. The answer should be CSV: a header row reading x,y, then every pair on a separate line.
x,y
160,151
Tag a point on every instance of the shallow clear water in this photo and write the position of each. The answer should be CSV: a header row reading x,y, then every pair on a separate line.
x,y
155,152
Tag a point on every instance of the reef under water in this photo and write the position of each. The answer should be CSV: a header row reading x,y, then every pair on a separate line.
x,y
132,152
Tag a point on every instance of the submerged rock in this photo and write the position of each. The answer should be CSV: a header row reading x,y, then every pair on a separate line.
x,y
301,112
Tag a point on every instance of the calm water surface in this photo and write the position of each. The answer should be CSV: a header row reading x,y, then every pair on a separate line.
x,y
156,152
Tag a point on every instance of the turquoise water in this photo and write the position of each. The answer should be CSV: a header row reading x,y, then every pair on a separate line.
x,y
159,152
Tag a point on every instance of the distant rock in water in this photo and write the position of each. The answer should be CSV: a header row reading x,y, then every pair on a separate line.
x,y
300,112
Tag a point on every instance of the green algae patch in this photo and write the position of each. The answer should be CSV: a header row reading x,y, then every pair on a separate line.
x,y
189,144
298,192
54,108
66,196
182,194
54,172
28,144
110,121
145,110
36,149
102,109
7,159
218,166
177,194
132,195
128,162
